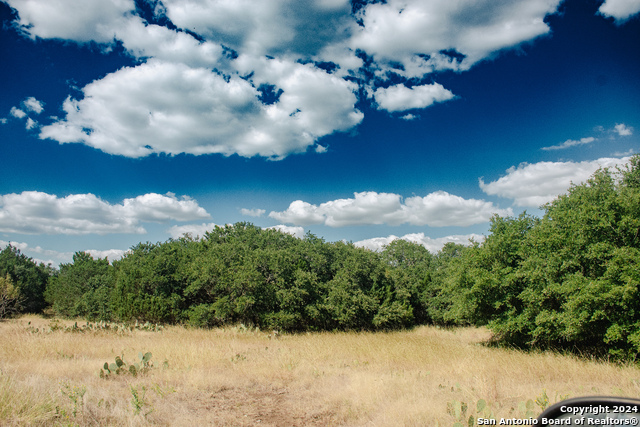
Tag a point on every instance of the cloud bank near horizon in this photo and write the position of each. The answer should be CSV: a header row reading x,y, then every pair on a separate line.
x,y
438,209
533,185
35,212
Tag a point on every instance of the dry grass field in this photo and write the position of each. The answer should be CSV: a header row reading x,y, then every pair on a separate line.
x,y
240,377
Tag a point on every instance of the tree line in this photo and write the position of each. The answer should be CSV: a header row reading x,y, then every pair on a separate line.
x,y
566,280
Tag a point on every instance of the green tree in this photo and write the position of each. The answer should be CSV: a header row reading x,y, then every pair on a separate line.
x,y
82,288
29,277
579,270
150,281
10,298
409,268
450,283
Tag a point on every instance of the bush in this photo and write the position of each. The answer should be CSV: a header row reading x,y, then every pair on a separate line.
x,y
10,298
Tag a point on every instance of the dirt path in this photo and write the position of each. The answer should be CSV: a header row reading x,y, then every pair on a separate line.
x,y
257,405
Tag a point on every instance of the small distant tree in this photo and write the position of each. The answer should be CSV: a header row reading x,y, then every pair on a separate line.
x,y
10,298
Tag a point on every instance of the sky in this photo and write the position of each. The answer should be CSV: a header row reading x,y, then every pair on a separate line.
x,y
127,121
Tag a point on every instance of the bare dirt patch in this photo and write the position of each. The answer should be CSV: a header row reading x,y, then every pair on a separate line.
x,y
252,406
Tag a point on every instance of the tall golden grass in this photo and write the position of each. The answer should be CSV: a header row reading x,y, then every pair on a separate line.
x,y
243,377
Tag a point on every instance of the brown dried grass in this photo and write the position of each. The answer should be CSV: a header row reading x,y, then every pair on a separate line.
x,y
241,377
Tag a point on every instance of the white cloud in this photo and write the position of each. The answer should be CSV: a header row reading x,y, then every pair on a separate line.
x,y
570,143
33,212
619,129
294,231
265,27
110,254
153,207
33,105
321,149
149,40
85,21
188,94
198,230
30,124
17,113
437,209
376,243
30,104
620,10
536,184
441,209
299,212
627,153
401,98
399,30
409,117
195,230
105,21
252,212
432,245
162,107
52,257
57,257
623,130
313,103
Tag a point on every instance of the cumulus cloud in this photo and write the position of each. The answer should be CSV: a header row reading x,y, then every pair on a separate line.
x,y
570,143
321,149
34,212
263,78
620,10
294,231
153,207
299,212
199,230
86,21
56,257
401,98
441,34
110,254
266,27
623,130
38,254
17,113
33,105
535,184
437,209
166,107
252,212
194,230
432,245
144,40
30,123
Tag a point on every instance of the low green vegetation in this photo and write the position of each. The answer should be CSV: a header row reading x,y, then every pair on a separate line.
x,y
120,367
568,280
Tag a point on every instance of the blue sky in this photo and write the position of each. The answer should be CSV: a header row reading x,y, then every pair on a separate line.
x,y
124,121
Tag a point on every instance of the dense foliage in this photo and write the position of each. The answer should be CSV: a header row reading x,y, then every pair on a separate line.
x,y
567,280
242,273
29,279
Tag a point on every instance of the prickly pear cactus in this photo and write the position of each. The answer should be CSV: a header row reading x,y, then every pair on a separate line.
x,y
120,367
